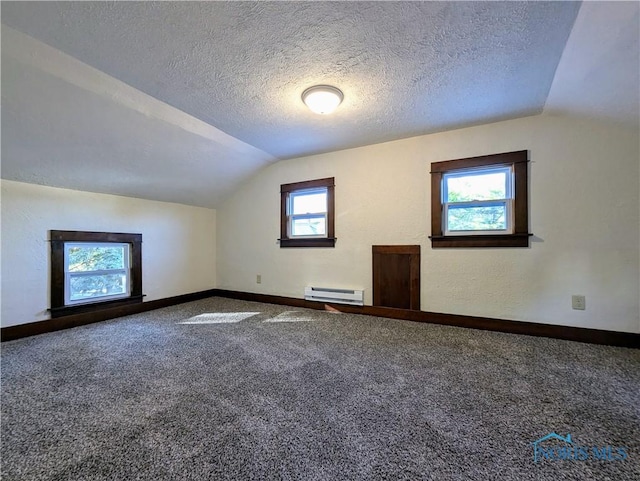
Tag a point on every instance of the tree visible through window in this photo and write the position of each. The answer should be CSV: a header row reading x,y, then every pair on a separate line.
x,y
480,201
93,270
96,271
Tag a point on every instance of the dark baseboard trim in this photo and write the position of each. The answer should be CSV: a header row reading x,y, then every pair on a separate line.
x,y
579,334
65,322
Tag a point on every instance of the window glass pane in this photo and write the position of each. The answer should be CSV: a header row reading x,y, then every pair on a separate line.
x,y
92,258
480,218
311,203
88,287
477,186
313,226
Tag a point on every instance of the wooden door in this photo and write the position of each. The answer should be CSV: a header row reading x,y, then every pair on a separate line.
x,y
396,276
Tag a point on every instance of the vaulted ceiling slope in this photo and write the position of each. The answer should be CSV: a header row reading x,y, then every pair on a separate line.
x,y
599,73
66,124
406,68
181,101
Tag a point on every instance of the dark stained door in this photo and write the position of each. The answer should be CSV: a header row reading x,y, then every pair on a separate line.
x,y
396,276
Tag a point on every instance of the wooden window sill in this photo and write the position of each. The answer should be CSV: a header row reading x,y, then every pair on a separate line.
x,y
500,240
320,242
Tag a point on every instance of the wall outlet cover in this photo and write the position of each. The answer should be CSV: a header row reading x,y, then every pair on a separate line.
x,y
578,302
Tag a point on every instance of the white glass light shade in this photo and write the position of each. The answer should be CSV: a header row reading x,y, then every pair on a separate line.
x,y
322,99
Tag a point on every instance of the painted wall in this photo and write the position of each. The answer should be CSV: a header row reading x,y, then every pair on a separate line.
x,y
178,242
584,212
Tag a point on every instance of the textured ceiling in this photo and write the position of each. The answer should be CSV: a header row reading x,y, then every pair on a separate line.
x,y
182,101
406,68
66,124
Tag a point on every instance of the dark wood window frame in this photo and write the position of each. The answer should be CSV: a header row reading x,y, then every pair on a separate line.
x,y
519,161
285,191
58,239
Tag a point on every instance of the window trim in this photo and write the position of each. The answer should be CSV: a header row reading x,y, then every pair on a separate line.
x,y
328,240
518,161
58,238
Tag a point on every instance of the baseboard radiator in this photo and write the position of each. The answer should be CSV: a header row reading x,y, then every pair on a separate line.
x,y
355,297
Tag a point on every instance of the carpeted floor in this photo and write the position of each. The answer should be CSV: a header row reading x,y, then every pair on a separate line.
x,y
223,389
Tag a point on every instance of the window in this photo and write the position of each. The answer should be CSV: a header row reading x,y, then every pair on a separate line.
x,y
94,270
480,201
477,201
307,214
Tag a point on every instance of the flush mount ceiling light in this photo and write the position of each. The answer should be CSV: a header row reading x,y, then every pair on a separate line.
x,y
322,99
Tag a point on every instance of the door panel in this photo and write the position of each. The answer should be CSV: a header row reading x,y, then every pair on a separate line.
x,y
396,276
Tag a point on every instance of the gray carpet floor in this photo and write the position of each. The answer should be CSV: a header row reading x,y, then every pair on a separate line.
x,y
224,389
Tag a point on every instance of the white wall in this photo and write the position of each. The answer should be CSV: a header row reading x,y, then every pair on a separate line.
x,y
584,212
178,242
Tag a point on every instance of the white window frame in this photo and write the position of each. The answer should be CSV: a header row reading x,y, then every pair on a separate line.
x,y
507,202
318,215
126,270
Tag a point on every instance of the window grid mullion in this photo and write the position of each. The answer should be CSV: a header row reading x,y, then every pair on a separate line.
x,y
104,272
320,215
478,203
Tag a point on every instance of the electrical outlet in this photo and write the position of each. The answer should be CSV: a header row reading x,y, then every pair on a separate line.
x,y
259,279
578,302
